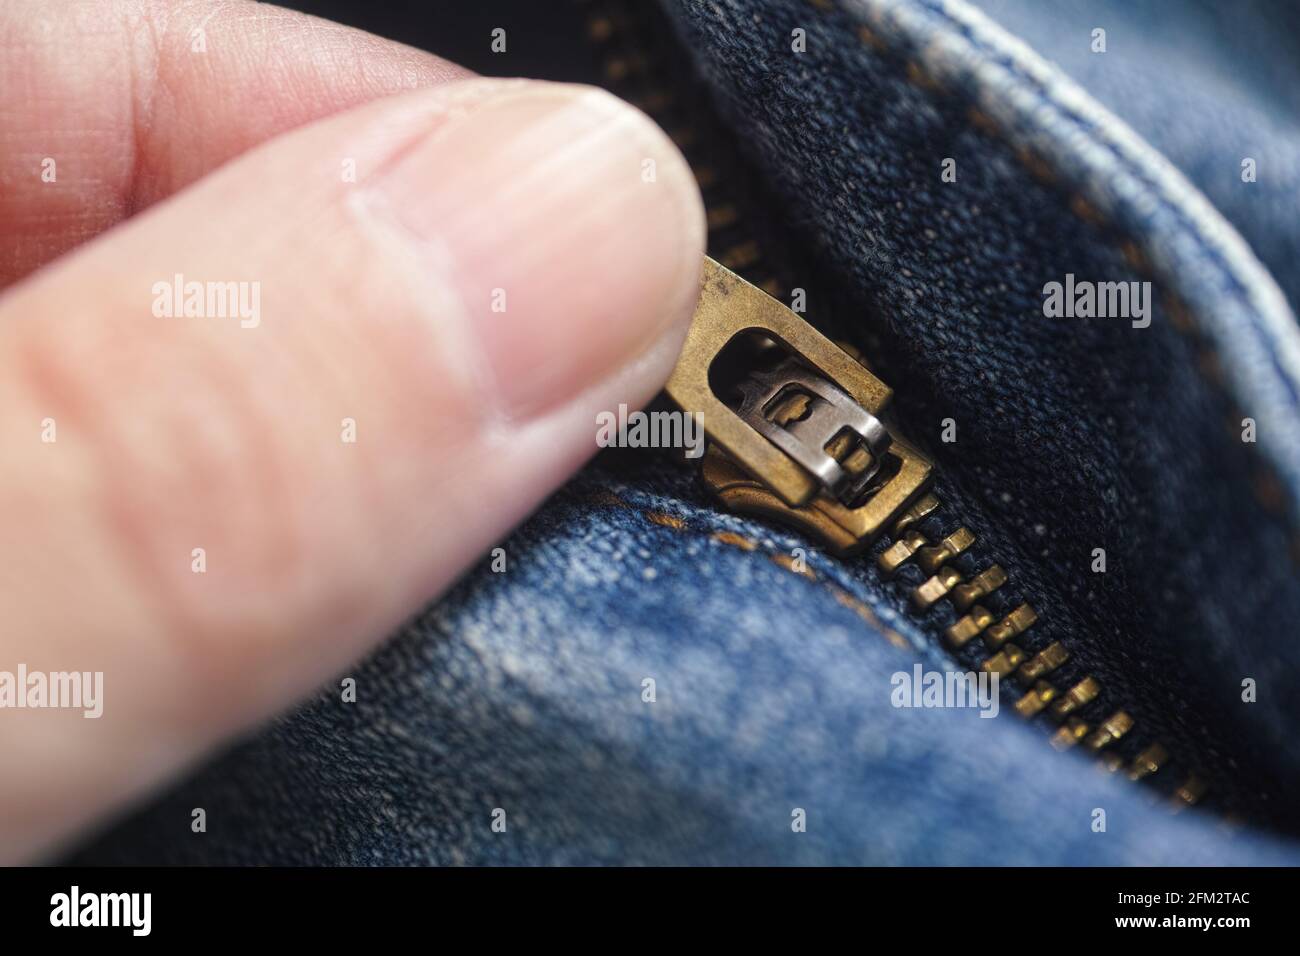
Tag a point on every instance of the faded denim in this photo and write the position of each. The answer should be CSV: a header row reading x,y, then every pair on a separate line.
x,y
523,690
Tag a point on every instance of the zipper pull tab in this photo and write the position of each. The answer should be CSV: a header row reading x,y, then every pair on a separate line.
x,y
793,419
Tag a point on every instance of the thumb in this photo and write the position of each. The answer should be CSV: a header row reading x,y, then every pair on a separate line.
x,y
249,431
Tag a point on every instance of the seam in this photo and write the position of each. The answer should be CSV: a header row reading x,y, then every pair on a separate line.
x,y
746,544
1266,481
1082,124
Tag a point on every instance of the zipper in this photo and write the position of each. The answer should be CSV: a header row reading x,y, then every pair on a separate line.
x,y
781,449
799,434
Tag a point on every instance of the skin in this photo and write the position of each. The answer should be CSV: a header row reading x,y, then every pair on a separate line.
x,y
381,302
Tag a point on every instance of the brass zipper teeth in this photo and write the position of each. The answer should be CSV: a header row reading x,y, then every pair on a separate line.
x,y
614,28
1005,655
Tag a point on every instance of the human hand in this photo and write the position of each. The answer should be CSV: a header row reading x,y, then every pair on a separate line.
x,y
432,283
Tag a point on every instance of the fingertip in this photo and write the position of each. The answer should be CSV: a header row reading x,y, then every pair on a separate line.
x,y
569,226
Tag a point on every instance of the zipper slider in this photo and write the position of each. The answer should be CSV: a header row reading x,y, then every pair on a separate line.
x,y
793,420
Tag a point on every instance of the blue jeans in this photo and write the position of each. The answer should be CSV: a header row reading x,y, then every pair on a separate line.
x,y
521,698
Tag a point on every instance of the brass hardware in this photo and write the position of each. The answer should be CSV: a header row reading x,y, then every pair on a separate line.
x,y
981,620
1035,700
843,530
1044,662
926,505
1004,661
936,588
1147,762
774,453
766,481
960,633
800,440
1080,695
1070,734
948,582
901,551
721,216
1110,761
742,256
982,585
932,558
1017,622
1113,728
729,306
1190,793
810,419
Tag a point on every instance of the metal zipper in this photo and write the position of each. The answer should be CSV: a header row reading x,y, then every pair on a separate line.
x,y
799,435
800,439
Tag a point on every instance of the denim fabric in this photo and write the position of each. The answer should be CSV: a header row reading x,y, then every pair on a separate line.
x,y
523,690
1208,86
1121,424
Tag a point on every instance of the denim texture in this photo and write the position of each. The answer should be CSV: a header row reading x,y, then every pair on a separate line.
x,y
1208,86
523,690
1122,424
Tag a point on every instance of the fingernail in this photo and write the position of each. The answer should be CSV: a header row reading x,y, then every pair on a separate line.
x,y
569,227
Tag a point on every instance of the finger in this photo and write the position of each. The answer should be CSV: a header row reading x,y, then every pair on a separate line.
x,y
514,257
110,106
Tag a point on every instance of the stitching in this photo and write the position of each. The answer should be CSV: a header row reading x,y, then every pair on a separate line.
x,y
1266,477
782,560
735,540
666,520
1186,792
1083,125
1121,238
1188,227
